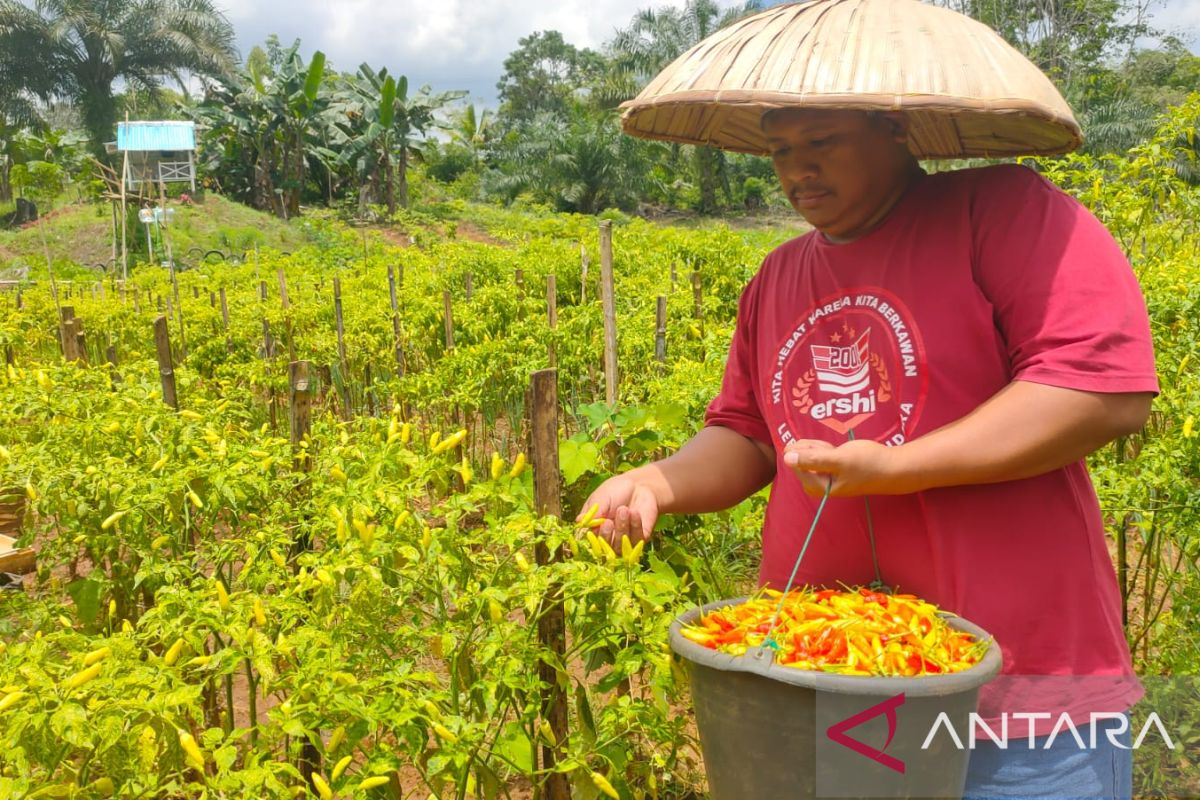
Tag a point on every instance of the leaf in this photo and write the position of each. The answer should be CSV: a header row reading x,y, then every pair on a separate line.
x,y
515,746
387,103
86,594
576,459
316,71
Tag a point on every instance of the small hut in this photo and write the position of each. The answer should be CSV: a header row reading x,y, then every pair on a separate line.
x,y
157,152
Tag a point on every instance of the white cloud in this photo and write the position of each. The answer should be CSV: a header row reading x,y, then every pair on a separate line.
x,y
462,44
450,44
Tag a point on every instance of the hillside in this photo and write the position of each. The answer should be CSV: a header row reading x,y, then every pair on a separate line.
x,y
80,235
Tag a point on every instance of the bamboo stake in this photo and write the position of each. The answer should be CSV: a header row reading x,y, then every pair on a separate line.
x,y
166,368
583,273
610,313
287,315
551,318
547,489
396,322
225,320
660,330
448,319
268,341
341,340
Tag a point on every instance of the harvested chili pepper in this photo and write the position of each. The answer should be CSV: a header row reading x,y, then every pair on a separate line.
x,y
857,631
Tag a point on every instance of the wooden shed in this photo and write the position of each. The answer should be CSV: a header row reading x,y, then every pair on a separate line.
x,y
157,152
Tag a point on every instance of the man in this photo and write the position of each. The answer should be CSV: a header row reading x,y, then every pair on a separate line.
x,y
953,346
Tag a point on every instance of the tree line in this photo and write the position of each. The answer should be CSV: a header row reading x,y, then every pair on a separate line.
x,y
280,128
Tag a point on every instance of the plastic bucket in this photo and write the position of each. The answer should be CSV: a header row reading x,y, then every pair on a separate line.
x,y
765,729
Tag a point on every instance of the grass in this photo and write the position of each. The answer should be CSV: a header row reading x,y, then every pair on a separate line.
x,y
80,236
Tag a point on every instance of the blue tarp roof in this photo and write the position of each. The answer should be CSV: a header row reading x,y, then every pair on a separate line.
x,y
142,136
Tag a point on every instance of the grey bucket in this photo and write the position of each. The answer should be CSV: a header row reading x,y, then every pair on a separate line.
x,y
763,726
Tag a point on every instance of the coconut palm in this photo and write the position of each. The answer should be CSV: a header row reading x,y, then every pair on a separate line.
x,y
77,49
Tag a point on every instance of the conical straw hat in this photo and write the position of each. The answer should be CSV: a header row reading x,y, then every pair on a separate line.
x,y
965,90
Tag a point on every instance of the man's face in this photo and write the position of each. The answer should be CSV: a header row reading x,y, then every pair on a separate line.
x,y
841,170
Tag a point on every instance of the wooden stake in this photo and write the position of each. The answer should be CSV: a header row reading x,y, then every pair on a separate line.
x,y
396,322
225,320
195,292
66,337
300,413
470,280
268,341
547,493
80,342
166,368
610,314
341,340
583,270
520,279
212,299
660,330
287,316
551,318
448,319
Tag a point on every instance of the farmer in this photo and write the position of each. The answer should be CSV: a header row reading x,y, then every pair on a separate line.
x,y
952,346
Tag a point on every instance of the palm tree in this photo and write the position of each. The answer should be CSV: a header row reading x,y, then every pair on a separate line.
x,y
77,49
654,39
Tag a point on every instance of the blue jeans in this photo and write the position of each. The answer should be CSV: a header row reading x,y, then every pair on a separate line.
x,y
1062,771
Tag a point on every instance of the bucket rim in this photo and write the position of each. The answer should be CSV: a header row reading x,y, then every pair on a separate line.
x,y
759,662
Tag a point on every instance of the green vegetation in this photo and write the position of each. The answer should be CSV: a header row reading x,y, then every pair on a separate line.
x,y
209,622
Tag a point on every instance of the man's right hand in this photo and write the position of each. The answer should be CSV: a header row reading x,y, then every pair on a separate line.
x,y
717,469
628,504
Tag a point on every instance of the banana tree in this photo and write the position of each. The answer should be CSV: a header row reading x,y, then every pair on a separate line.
x,y
380,124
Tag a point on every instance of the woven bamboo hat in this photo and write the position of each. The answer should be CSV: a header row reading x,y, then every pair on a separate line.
x,y
966,92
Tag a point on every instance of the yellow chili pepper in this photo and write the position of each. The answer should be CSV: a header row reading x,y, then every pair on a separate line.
x,y
339,768
172,654
443,732
338,735
82,677
604,786
518,466
10,700
222,595
373,782
195,756
96,655
497,467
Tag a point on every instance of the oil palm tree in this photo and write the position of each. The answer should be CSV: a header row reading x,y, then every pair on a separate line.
x,y
77,49
654,39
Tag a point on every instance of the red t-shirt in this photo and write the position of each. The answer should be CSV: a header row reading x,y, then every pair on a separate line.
x,y
976,278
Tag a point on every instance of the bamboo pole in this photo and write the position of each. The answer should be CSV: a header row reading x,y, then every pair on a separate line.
x,y
225,320
166,368
448,319
583,273
610,314
396,321
551,318
341,343
268,341
547,492
660,330
287,314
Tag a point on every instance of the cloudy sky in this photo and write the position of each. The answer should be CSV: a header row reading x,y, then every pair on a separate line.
x,y
462,44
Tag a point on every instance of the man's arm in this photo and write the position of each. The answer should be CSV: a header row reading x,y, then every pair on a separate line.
x,y
1025,429
716,469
